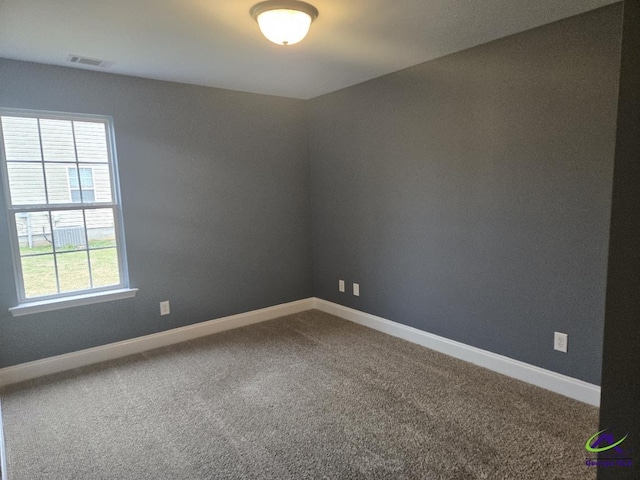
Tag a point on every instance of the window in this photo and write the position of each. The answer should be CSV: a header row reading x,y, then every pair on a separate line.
x,y
61,191
87,193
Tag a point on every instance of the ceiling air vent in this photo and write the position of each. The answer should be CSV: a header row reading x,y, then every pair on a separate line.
x,y
91,62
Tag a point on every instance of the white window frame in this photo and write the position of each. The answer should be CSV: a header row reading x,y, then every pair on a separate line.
x,y
79,297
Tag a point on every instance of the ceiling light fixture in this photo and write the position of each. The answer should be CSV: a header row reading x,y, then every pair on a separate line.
x,y
284,22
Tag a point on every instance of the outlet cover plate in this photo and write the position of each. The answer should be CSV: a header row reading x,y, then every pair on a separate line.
x,y
165,308
560,341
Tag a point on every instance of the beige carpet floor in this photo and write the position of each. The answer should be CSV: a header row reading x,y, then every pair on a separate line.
x,y
308,396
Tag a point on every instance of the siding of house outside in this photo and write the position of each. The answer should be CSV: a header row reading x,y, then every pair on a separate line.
x,y
57,184
27,178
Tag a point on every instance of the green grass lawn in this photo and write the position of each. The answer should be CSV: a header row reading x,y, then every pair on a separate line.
x,y
73,268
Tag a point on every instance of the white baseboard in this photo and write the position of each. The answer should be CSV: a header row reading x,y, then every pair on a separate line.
x,y
59,363
556,382
562,384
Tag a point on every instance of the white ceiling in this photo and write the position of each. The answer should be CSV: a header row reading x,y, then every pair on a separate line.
x,y
217,43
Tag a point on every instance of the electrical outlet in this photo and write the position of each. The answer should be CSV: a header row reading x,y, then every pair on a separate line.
x,y
341,286
560,341
356,289
165,308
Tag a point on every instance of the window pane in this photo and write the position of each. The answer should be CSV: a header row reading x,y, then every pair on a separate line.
x,y
73,271
21,139
86,181
34,233
101,228
86,177
104,267
88,196
59,181
73,177
26,183
75,196
57,141
39,275
91,142
98,178
68,230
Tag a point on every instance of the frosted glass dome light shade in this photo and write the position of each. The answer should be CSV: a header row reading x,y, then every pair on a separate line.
x,y
284,27
284,22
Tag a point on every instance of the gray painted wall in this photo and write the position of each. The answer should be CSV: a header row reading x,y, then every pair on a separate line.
x,y
216,205
469,196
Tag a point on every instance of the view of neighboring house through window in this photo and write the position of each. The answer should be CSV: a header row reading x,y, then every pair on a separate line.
x,y
88,193
61,191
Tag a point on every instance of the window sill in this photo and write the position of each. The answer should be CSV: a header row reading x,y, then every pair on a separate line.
x,y
74,301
